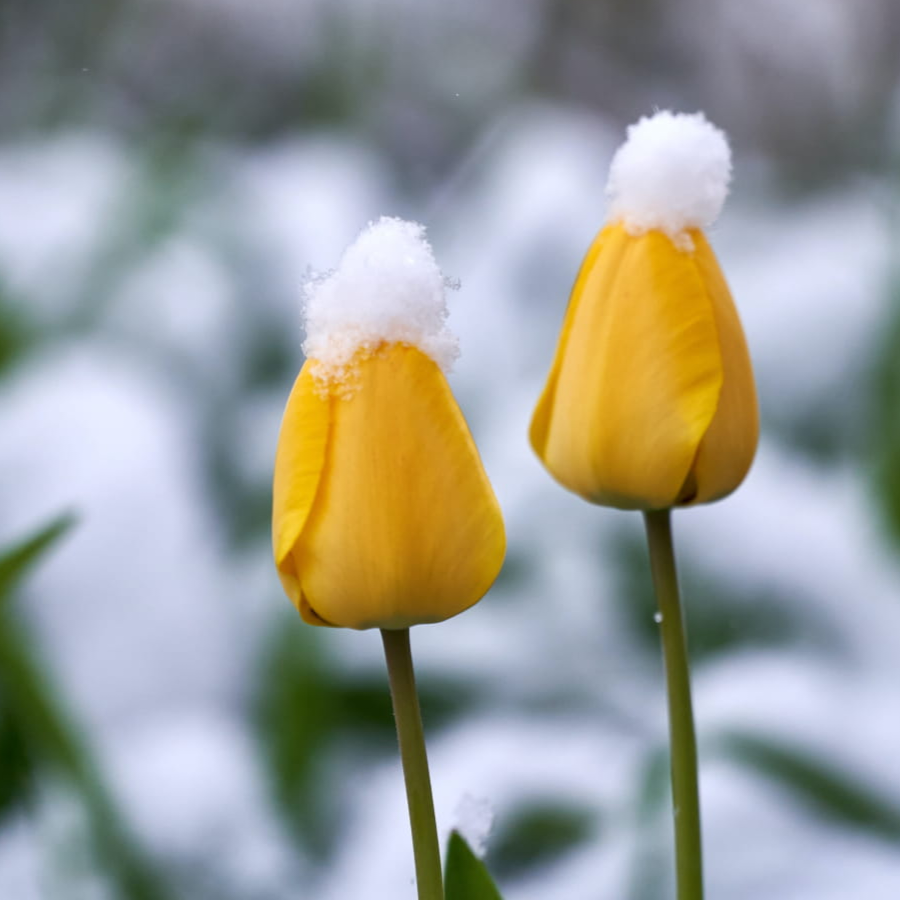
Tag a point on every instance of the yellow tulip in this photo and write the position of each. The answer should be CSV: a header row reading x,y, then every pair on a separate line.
x,y
650,402
383,516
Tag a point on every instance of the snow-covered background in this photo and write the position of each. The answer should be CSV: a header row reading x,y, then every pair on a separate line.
x,y
169,172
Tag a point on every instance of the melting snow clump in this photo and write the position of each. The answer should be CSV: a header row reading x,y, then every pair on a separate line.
x,y
386,289
671,174
474,821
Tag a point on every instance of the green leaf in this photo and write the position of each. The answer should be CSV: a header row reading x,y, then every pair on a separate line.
x,y
16,771
16,337
828,789
30,725
16,560
465,876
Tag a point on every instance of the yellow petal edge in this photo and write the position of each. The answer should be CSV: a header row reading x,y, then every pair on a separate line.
x,y
299,464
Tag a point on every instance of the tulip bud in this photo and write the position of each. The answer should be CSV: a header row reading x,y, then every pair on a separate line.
x,y
383,516
650,402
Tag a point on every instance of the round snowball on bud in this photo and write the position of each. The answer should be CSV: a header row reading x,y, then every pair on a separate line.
x,y
671,174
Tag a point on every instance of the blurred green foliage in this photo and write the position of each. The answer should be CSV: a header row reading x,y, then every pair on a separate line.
x,y
653,861
538,833
309,711
154,203
15,561
721,617
37,734
829,791
16,772
883,454
16,336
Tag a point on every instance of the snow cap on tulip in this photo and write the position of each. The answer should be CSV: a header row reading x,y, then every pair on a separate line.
x,y
671,174
387,288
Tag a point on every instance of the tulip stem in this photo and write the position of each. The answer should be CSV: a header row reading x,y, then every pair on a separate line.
x,y
411,738
683,741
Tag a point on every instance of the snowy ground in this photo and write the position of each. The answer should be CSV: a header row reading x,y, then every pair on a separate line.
x,y
151,622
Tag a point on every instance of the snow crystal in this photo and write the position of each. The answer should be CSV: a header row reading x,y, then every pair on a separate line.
x,y
474,821
386,289
671,174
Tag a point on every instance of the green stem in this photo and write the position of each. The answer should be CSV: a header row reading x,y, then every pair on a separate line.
x,y
685,792
415,763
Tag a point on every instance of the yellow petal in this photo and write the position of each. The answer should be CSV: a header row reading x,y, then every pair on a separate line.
x,y
299,462
405,527
727,449
637,376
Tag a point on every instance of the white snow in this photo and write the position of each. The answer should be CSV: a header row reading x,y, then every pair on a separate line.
x,y
474,821
193,785
671,174
57,198
387,289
